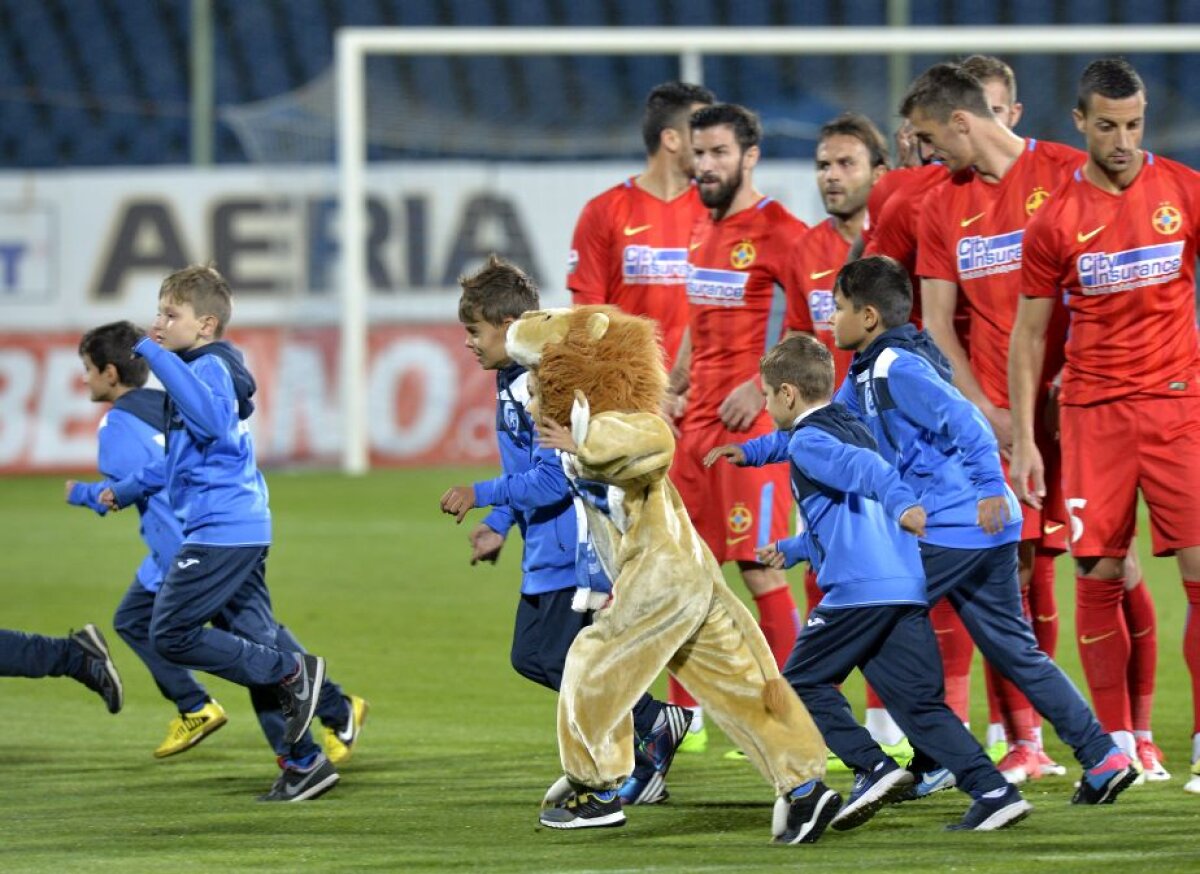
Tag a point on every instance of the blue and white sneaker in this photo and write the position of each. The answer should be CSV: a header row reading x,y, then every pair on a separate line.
x,y
885,784
924,785
1102,783
653,756
801,816
989,814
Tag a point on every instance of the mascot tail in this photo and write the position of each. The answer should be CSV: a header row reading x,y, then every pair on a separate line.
x,y
776,693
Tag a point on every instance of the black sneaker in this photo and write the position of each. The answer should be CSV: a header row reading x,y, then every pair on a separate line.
x,y
1102,783
587,808
990,814
872,791
98,672
296,784
298,696
802,820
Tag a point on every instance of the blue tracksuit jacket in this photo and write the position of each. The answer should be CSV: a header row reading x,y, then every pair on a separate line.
x,y
850,499
938,440
532,492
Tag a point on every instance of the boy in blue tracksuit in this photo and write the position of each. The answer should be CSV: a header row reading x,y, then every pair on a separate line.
x,y
873,613
215,489
899,386
132,436
533,493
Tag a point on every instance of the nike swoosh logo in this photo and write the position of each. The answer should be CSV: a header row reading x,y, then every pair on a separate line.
x,y
966,223
1083,238
629,232
693,247
302,695
1050,529
819,274
1140,633
1085,640
1041,618
186,563
292,789
731,541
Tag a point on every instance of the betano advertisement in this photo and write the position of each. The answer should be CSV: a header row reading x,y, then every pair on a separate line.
x,y
78,249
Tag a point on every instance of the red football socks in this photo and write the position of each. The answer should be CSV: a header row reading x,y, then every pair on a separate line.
x,y
1104,649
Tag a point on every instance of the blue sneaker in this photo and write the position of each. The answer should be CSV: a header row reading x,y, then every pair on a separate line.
x,y
1102,783
886,783
929,782
990,814
653,756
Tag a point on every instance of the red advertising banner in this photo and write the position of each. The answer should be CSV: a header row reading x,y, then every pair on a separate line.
x,y
429,402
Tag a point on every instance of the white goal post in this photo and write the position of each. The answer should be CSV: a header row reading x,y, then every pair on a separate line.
x,y
354,44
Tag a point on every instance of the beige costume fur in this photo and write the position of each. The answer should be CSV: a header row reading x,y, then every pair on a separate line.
x,y
600,371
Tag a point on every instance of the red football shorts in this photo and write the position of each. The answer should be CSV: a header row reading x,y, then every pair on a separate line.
x,y
735,509
1048,525
1110,450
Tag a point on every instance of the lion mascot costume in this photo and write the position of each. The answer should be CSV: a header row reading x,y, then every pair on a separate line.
x,y
599,372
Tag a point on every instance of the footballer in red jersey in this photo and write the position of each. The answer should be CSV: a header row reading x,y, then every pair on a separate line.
x,y
851,158
740,253
630,243
1119,239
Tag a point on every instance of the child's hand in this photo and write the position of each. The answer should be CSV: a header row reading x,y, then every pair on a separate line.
x,y
554,436
732,451
485,544
458,501
912,520
769,555
108,499
70,485
993,514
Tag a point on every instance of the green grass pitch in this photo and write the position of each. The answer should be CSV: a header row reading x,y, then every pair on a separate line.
x,y
458,749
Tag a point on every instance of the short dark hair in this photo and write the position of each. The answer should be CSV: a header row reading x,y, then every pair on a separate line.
x,y
667,106
857,125
988,67
881,282
747,129
801,361
204,289
1113,78
497,291
113,344
943,89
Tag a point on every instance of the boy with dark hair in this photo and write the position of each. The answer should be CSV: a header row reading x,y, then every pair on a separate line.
x,y
533,493
81,655
873,615
216,490
899,385
131,436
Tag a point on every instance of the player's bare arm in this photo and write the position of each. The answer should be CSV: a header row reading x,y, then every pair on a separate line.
x,y
731,451
1026,356
742,406
458,501
938,300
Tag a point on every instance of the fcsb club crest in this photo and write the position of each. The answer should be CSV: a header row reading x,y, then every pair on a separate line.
x,y
1035,200
743,255
1166,219
740,519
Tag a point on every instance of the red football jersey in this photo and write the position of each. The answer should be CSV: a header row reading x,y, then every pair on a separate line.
x,y
734,266
1126,263
971,233
630,250
821,254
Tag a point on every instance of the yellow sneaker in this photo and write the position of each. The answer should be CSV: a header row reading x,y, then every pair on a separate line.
x,y
902,752
694,742
339,745
188,729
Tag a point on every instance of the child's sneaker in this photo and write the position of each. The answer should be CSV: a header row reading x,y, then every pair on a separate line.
x,y
98,672
648,782
188,729
302,783
298,695
587,808
801,818
989,814
1150,758
924,785
1102,783
339,743
871,791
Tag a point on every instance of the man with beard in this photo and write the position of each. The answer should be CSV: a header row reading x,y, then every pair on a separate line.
x,y
739,253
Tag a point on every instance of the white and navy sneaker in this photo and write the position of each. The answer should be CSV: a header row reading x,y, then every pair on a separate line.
x,y
872,790
653,756
586,808
989,814
303,784
298,696
802,815
98,672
